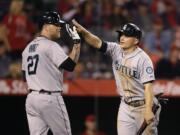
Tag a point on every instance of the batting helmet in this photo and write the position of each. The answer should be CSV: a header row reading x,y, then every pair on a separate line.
x,y
51,17
130,30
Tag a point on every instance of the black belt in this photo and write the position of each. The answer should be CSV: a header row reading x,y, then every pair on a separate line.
x,y
42,91
135,103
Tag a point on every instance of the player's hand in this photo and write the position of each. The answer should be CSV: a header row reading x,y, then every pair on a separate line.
x,y
73,34
149,116
79,27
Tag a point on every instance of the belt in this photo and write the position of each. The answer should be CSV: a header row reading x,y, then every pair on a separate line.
x,y
135,103
42,91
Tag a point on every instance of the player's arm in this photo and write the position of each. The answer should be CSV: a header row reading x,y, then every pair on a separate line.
x,y
74,55
90,38
70,63
149,116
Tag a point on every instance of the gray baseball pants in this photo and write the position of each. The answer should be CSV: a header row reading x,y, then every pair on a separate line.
x,y
46,112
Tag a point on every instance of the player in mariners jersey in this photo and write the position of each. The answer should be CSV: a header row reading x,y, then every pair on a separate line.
x,y
43,64
134,75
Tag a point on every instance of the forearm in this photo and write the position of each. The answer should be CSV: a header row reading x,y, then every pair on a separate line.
x,y
74,55
91,39
149,96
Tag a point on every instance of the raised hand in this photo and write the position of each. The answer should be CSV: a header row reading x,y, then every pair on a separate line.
x,y
73,34
79,27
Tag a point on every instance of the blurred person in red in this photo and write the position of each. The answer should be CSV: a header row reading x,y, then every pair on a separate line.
x,y
20,29
91,126
157,7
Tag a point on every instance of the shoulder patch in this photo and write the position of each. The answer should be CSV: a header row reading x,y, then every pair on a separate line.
x,y
149,70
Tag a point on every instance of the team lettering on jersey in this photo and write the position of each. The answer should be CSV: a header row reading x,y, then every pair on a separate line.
x,y
126,70
32,48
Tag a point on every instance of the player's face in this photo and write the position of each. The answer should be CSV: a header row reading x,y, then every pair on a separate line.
x,y
54,31
127,42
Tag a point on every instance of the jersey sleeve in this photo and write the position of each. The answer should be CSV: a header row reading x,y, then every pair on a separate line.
x,y
57,54
147,72
111,48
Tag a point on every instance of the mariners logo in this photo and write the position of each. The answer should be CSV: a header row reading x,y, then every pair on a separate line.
x,y
149,70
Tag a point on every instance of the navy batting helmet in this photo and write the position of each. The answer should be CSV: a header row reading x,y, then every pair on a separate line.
x,y
130,30
51,17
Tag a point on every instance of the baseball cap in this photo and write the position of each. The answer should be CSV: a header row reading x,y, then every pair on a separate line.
x,y
130,30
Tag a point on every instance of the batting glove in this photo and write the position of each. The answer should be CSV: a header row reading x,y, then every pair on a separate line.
x,y
73,34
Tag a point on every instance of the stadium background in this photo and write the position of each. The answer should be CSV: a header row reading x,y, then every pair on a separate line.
x,y
160,21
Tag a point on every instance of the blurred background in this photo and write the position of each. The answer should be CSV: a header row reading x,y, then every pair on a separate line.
x,y
90,92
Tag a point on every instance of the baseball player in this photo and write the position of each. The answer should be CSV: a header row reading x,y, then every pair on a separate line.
x,y
134,75
43,63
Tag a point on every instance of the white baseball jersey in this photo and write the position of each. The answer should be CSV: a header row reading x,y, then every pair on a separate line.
x,y
41,59
131,71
